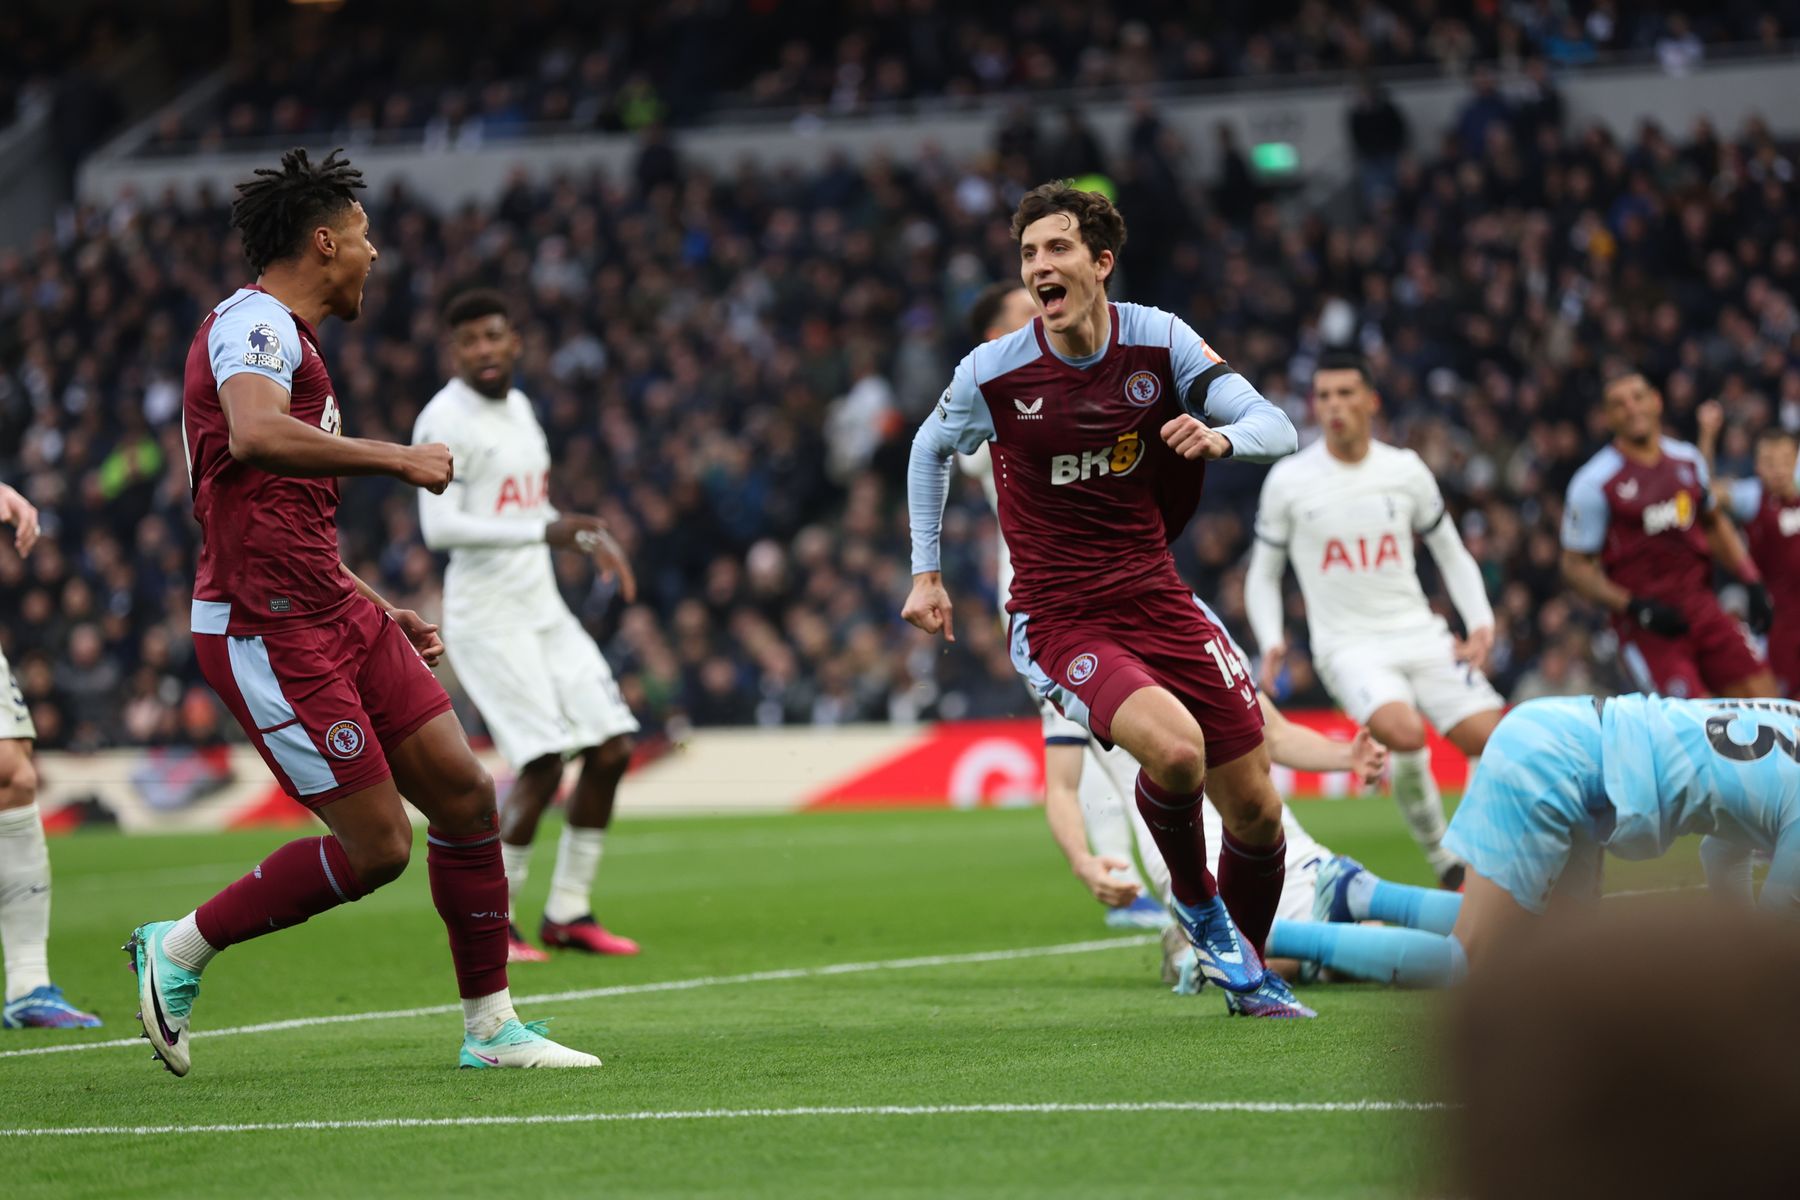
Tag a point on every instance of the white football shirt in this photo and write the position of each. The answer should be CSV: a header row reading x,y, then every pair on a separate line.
x,y
492,518
1349,530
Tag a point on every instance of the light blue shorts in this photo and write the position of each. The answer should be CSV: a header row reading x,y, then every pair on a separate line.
x,y
1538,798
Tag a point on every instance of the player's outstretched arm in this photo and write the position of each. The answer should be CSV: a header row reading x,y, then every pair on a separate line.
x,y
1584,574
265,436
1468,591
960,422
1062,808
1302,749
1262,604
927,487
22,515
1727,546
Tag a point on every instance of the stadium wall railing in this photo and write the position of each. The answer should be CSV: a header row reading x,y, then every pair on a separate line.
x,y
966,764
1312,120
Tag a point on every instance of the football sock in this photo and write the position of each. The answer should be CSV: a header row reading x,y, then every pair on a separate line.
x,y
24,900
1174,821
1431,909
187,946
299,880
517,861
572,886
468,885
1416,792
1250,879
1108,824
1382,953
1156,871
484,1015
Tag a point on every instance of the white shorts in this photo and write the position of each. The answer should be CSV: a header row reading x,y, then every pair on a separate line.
x,y
1419,671
540,691
15,717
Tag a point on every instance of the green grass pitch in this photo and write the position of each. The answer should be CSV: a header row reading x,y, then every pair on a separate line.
x,y
713,899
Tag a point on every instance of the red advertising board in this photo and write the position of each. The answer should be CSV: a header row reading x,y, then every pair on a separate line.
x,y
968,764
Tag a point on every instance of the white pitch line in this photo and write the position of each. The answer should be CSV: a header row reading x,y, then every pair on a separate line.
x,y
728,1114
1655,891
629,989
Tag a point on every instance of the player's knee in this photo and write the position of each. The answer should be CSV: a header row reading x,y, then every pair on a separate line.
x,y
1259,826
469,803
380,858
1401,732
612,755
1178,765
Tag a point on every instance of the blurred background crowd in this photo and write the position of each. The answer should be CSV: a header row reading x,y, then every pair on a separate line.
x,y
730,366
487,70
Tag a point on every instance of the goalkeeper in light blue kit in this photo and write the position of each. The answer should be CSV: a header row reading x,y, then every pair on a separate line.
x,y
1564,781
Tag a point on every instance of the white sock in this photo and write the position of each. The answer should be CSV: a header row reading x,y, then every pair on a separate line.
x,y
484,1015
572,886
24,900
517,860
1416,792
185,945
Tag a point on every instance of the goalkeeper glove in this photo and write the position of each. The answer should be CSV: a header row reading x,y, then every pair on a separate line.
x,y
1654,616
1756,608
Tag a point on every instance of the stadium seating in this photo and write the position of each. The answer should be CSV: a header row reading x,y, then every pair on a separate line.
x,y
370,76
730,368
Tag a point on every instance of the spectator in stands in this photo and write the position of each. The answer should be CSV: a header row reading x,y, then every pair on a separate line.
x,y
690,331
1379,132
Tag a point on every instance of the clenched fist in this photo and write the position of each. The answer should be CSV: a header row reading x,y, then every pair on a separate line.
x,y
429,466
1192,438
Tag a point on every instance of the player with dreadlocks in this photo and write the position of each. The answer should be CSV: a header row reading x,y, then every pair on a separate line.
x,y
331,682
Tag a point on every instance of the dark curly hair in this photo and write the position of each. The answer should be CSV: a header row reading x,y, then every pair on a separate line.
x,y
277,210
473,304
1101,225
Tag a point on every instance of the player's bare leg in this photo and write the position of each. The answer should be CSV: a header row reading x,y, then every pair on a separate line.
x,y
532,791
32,1001
1470,735
1760,684
368,846
1489,913
435,769
1399,727
569,912
1154,726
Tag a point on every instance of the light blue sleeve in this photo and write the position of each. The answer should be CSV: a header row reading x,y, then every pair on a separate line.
x,y
254,336
1746,498
1585,515
958,425
1259,431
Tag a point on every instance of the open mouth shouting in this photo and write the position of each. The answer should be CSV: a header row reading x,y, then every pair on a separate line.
x,y
1053,297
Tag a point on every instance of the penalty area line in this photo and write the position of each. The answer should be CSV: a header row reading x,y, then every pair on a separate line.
x,y
627,989
738,1114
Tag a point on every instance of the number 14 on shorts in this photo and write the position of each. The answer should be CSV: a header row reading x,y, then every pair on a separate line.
x,y
1234,672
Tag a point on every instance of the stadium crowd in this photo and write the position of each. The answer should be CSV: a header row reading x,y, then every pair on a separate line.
x,y
730,369
367,73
